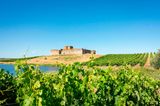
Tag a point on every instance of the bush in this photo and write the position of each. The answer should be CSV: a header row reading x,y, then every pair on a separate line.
x,y
156,61
34,88
7,88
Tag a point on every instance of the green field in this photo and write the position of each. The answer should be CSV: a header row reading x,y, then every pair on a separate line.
x,y
15,59
122,59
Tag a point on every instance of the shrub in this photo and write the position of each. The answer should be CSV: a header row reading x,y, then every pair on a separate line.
x,y
34,88
7,88
156,61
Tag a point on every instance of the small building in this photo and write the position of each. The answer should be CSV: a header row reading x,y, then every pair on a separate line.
x,y
70,50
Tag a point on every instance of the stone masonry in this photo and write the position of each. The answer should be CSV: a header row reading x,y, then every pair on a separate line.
x,y
70,50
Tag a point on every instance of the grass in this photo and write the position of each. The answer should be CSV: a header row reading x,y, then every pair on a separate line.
x,y
15,59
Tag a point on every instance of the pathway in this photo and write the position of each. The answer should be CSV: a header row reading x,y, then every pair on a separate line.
x,y
148,64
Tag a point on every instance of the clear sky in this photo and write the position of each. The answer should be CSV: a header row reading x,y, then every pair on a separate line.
x,y
34,27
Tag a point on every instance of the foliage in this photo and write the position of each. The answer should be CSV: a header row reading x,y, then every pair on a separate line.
x,y
80,85
156,61
122,59
101,87
150,72
34,87
7,88
152,55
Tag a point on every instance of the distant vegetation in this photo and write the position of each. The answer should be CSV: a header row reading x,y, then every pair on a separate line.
x,y
122,59
156,61
15,59
152,55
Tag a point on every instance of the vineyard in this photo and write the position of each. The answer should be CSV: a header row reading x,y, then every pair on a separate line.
x,y
76,85
123,59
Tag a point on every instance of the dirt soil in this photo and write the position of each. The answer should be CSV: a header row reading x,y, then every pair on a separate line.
x,y
147,64
65,59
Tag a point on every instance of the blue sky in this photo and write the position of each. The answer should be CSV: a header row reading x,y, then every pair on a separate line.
x,y
34,27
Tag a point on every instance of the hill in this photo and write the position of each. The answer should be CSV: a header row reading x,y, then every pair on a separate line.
x,y
65,59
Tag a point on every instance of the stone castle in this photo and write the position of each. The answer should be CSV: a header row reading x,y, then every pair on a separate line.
x,y
70,50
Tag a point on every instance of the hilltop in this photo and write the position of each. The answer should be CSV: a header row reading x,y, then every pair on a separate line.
x,y
65,59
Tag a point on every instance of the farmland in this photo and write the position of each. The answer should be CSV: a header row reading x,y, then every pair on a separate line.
x,y
123,59
84,84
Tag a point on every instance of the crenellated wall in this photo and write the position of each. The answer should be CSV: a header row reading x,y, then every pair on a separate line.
x,y
70,50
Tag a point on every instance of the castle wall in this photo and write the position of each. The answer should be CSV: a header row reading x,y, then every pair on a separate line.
x,y
93,52
72,51
67,47
85,51
55,52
